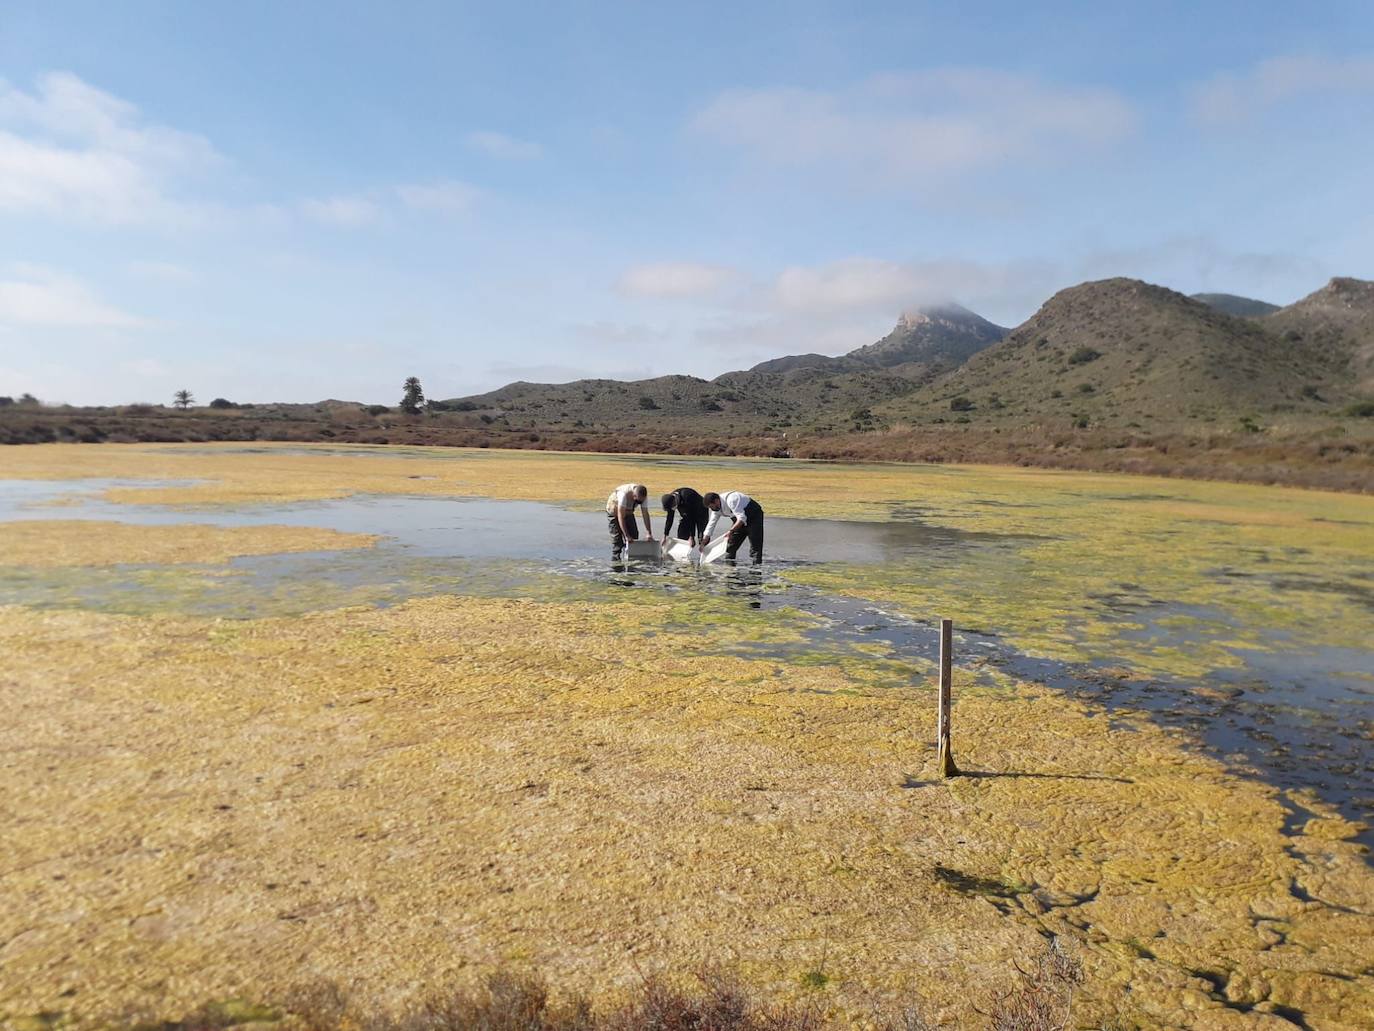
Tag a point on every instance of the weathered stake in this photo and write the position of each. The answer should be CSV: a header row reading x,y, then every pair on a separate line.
x,y
946,757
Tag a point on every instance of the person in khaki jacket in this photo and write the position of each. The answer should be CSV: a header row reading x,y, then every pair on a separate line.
x,y
620,516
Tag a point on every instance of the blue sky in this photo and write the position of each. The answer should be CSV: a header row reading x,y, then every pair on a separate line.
x,y
267,201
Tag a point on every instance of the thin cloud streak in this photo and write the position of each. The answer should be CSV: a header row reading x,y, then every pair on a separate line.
x,y
907,129
675,279
1239,96
499,145
40,297
445,197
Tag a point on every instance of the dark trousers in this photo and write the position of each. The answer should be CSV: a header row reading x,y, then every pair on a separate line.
x,y
753,529
618,538
688,528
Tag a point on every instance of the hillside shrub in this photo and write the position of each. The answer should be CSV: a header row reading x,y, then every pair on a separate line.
x,y
1084,355
648,403
221,402
960,404
1361,409
708,405
1086,388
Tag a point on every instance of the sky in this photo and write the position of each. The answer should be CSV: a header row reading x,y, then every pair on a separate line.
x,y
290,202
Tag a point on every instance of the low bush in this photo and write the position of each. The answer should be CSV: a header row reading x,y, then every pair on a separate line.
x,y
1039,998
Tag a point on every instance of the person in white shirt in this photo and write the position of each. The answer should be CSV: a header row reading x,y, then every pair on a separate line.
x,y
620,516
748,522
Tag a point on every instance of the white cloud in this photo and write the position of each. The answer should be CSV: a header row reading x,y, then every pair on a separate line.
x,y
746,341
71,150
344,212
499,145
42,298
447,196
879,285
674,279
1232,96
894,128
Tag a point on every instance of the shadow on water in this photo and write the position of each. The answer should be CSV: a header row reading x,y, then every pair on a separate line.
x,y
1298,718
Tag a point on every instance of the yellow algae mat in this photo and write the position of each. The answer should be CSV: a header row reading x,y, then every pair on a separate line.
x,y
81,542
403,799
197,809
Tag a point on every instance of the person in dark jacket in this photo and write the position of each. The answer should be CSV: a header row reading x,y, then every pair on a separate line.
x,y
748,522
691,511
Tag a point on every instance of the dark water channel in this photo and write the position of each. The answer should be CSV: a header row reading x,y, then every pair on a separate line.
x,y
1292,716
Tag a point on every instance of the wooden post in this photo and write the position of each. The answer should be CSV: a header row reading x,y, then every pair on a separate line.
x,y
946,753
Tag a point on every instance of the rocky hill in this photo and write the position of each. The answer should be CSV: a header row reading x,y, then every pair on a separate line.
x,y
812,391
1127,353
941,335
936,337
1336,321
792,362
1234,304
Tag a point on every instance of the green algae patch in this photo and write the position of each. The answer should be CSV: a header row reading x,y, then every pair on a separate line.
x,y
415,795
53,543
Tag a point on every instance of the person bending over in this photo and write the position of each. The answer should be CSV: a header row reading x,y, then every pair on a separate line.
x,y
692,514
748,522
620,516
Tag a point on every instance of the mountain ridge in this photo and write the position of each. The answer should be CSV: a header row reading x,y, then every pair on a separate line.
x,y
1111,352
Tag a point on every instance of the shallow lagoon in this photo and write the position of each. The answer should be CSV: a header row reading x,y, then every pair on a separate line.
x,y
1238,619
1266,652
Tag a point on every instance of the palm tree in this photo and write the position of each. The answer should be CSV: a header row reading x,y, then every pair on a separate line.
x,y
182,399
414,398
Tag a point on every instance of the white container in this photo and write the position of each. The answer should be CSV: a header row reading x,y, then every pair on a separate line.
x,y
715,550
681,551
644,550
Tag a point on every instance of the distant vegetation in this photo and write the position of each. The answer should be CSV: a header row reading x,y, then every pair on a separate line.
x,y
1113,374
